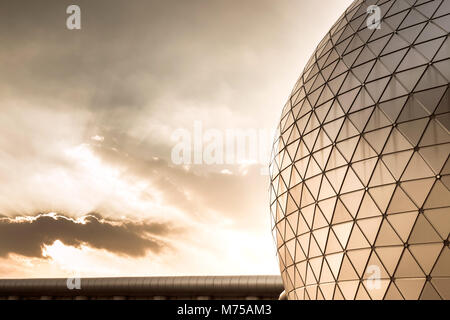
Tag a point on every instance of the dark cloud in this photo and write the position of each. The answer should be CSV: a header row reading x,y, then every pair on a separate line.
x,y
128,54
27,236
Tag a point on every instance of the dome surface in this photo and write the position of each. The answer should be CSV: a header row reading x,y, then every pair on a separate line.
x,y
360,172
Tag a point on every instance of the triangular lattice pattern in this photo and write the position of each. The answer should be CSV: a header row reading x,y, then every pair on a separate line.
x,y
360,177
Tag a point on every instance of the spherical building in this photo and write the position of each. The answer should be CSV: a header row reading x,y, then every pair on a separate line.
x,y
360,176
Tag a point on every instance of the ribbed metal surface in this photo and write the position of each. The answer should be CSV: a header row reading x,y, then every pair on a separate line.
x,y
237,286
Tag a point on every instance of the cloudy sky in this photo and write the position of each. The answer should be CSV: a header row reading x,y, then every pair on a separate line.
x,y
87,121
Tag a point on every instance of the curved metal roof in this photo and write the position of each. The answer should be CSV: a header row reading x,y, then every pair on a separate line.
x,y
151,286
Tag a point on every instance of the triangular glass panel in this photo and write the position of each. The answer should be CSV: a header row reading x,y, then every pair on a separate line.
x,y
410,33
321,236
381,175
327,208
393,293
333,244
435,134
347,147
412,59
397,162
359,259
426,255
314,249
408,267
364,169
342,232
348,130
377,87
413,18
361,72
378,120
307,198
403,224
442,266
341,214
410,78
394,90
349,288
336,177
379,71
410,288
368,208
390,257
418,190
413,110
352,201
431,79
439,220
357,240
319,220
313,185
387,236
431,31
349,83
351,182
338,294
377,139
400,202
396,43
391,61
360,119
346,99
326,191
327,290
382,196
423,232
334,262
413,130
393,108
363,151
429,99
375,269
417,169
377,291
429,293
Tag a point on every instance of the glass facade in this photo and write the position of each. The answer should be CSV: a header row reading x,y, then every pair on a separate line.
x,y
360,172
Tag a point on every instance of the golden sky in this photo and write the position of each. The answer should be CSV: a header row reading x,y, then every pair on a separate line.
x,y
87,186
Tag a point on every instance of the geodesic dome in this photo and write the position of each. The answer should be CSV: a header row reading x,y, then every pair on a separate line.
x,y
360,176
